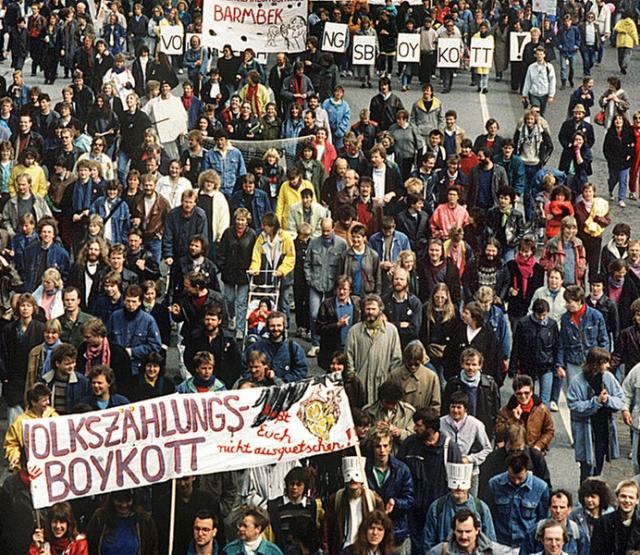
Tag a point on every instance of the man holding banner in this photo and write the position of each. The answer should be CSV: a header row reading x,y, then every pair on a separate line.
x,y
449,52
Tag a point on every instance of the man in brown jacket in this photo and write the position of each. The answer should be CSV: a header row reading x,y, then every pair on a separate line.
x,y
527,408
149,214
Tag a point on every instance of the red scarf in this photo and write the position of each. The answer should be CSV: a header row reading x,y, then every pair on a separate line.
x,y
186,101
528,405
297,89
525,267
576,317
252,91
104,351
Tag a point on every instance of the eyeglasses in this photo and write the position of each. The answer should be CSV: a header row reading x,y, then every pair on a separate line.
x,y
523,393
202,529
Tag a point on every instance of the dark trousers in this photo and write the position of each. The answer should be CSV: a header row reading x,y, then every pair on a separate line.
x,y
50,64
427,66
447,78
301,299
35,49
592,247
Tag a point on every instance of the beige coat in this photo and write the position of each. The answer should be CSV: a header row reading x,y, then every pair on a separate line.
x,y
422,389
372,356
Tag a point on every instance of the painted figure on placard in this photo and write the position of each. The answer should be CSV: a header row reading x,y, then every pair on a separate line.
x,y
294,33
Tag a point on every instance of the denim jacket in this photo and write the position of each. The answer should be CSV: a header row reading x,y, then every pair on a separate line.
x,y
575,342
229,167
517,509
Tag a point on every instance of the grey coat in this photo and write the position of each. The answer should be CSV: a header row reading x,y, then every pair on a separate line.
x,y
322,263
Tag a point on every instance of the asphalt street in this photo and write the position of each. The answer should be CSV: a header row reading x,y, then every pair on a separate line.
x,y
473,109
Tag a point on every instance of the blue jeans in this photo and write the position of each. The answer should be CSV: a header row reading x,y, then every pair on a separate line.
x,y
567,66
123,166
484,81
529,194
154,246
588,58
236,297
620,177
315,300
572,371
546,383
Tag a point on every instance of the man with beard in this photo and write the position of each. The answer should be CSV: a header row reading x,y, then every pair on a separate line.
x,y
194,261
135,330
85,274
467,537
485,180
212,338
286,357
140,260
424,454
373,347
347,507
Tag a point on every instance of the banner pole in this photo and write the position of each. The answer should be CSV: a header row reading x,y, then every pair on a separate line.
x,y
368,499
172,515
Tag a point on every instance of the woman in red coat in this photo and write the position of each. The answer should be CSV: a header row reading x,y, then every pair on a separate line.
x,y
60,534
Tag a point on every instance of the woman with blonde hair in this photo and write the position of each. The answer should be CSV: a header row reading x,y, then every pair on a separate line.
x,y
48,295
407,260
215,206
39,362
438,323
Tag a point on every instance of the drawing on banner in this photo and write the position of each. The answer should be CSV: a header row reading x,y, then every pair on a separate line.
x,y
408,49
449,52
481,52
266,27
364,50
517,42
168,437
335,37
171,40
544,6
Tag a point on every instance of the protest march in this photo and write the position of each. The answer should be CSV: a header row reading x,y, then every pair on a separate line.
x,y
308,277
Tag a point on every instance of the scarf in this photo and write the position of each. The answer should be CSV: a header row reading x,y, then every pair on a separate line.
x,y
457,426
47,351
456,253
635,268
615,289
525,267
186,102
576,317
202,383
505,215
59,545
104,351
533,136
118,70
526,408
470,382
251,97
297,89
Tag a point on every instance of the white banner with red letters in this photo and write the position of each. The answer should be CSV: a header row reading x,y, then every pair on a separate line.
x,y
182,435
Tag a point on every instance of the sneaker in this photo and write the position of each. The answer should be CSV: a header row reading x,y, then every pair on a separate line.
x,y
622,204
612,197
553,406
405,87
349,73
239,335
313,351
232,324
484,91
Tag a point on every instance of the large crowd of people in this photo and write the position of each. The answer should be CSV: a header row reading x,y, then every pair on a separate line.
x,y
429,267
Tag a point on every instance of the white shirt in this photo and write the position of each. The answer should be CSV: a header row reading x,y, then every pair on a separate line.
x,y
89,275
378,176
471,334
353,522
590,34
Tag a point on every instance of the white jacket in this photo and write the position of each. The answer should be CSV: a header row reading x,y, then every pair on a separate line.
x,y
603,18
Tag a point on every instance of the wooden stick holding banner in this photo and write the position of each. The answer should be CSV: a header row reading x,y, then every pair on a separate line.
x,y
172,516
365,485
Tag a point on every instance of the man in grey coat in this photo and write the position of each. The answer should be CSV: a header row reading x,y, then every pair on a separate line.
x,y
321,270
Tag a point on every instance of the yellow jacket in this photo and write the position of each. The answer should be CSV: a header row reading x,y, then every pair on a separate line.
x,y
287,197
287,258
13,440
259,101
39,183
483,70
626,33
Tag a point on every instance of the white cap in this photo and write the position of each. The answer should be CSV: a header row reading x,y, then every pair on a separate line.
x,y
353,469
459,475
